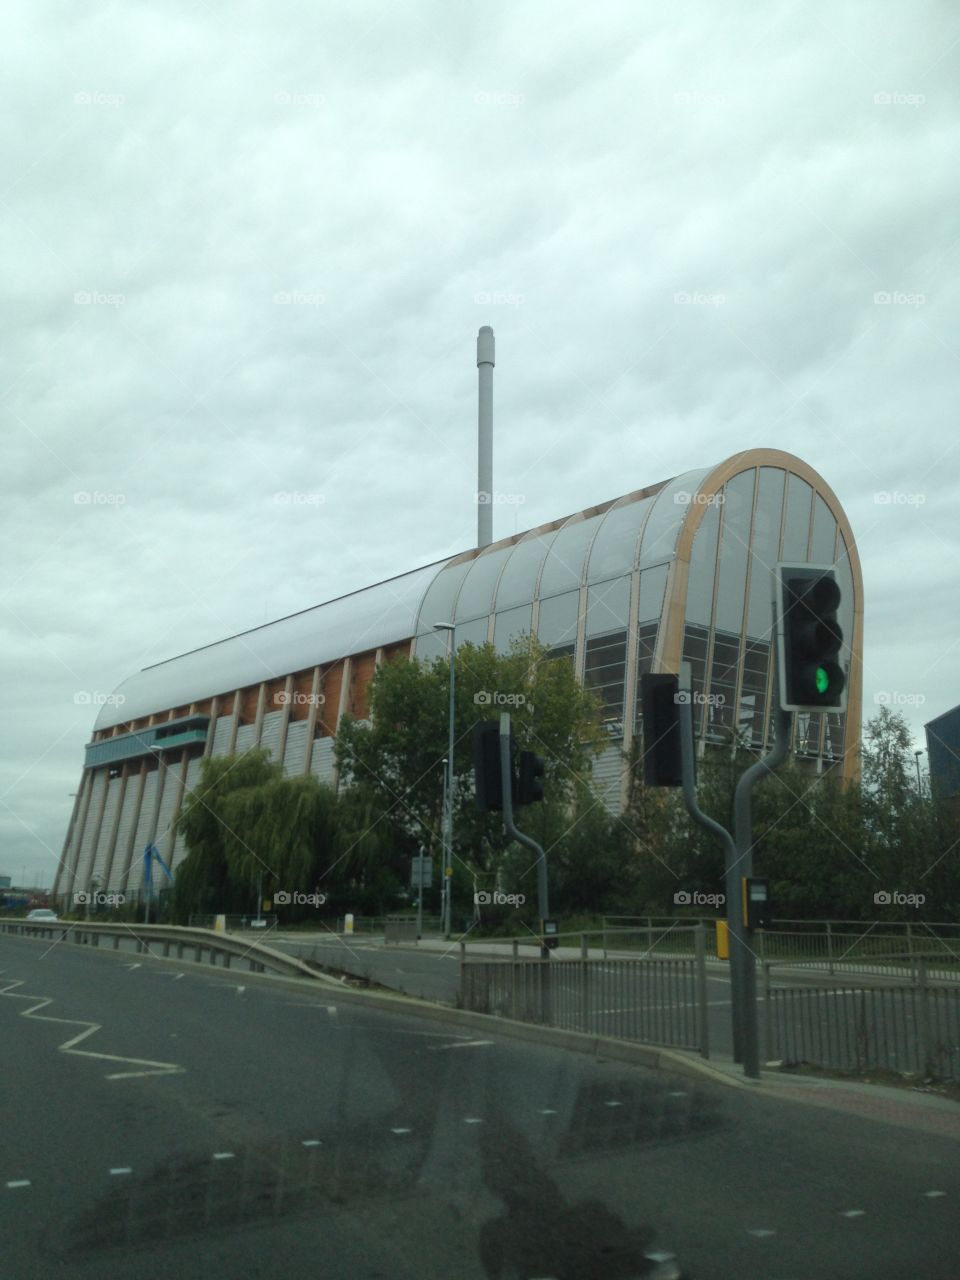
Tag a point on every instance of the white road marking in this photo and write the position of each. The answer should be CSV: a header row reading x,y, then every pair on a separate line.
x,y
613,1103
115,1172
22,1182
459,1044
931,1194
677,1093
241,990
853,1213
132,966
548,1111
178,975
761,1233
156,1068
401,1131
472,1120
311,1142
223,1155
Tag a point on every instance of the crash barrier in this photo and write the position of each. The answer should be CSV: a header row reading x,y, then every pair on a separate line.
x,y
400,929
201,945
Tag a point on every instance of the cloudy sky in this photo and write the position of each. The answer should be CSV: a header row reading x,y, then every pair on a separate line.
x,y
248,247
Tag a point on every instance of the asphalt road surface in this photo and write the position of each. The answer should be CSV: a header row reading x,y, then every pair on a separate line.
x,y
170,1120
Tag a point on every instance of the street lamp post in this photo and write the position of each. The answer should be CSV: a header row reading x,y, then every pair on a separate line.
x,y
916,757
448,805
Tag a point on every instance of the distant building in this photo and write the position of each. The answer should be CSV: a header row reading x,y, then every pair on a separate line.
x,y
943,756
680,570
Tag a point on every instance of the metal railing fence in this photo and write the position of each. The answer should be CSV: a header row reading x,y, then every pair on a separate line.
x,y
909,1029
655,999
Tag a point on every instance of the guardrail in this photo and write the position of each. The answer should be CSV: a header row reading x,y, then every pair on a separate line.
x,y
891,955
909,1029
165,940
654,999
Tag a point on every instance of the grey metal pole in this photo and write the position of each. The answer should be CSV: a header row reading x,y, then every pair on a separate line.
x,y
485,363
729,855
741,936
448,852
543,900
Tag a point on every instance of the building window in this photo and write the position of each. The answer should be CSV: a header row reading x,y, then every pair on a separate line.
x,y
605,670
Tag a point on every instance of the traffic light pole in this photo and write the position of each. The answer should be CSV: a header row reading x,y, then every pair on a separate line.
x,y
506,782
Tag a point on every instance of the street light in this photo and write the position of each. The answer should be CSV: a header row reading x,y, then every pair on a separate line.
x,y
448,804
916,757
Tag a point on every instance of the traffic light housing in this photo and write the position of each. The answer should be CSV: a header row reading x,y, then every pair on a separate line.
x,y
486,766
530,787
809,638
660,703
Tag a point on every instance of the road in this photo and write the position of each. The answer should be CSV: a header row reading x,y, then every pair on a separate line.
x,y
178,1121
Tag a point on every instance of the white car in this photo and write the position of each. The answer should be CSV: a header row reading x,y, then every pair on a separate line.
x,y
43,915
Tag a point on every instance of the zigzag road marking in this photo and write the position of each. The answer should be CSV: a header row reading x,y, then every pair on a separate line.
x,y
41,1002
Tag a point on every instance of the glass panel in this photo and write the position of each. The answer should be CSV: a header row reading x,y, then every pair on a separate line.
x,y
563,567
431,645
615,546
653,584
646,646
604,671
476,596
438,601
663,524
824,533
833,739
845,612
519,579
807,734
472,632
734,540
703,568
695,645
797,524
608,607
723,684
753,696
509,625
764,543
558,620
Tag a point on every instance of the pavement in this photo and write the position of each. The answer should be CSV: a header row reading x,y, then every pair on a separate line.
x,y
906,1107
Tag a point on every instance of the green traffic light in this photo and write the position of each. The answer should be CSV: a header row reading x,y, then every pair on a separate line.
x,y
823,680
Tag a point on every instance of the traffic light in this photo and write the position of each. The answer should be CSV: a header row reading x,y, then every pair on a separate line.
x,y
660,700
530,788
486,765
809,638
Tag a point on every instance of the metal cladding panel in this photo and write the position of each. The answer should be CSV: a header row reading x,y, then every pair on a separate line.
x,y
85,861
123,832
295,753
270,735
164,837
221,736
378,615
246,738
143,832
114,787
323,760
608,770
180,844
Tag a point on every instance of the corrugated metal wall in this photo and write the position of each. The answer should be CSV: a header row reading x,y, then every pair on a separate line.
x,y
193,777
164,837
143,832
270,735
114,787
322,763
123,833
221,736
608,771
90,830
296,750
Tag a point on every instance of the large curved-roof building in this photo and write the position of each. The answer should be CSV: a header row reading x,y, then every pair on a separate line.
x,y
677,571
